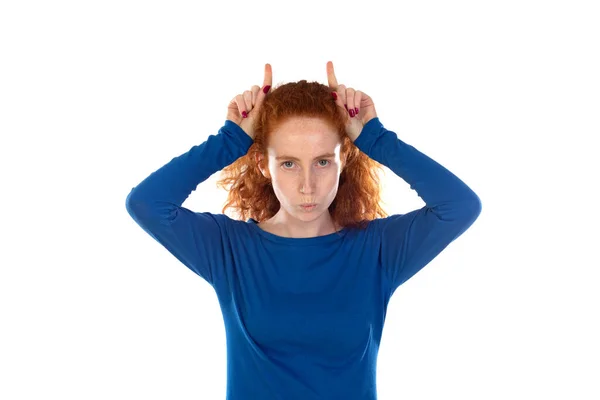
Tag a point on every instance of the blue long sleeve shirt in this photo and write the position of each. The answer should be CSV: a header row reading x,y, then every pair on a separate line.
x,y
303,316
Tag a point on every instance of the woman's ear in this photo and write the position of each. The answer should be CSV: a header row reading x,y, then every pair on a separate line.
x,y
259,158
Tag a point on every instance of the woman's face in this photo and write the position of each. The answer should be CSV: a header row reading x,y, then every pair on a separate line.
x,y
304,166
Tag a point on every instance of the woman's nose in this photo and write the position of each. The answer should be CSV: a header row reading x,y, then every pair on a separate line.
x,y
307,183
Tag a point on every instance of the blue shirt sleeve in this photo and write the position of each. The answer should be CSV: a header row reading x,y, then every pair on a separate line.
x,y
156,203
410,241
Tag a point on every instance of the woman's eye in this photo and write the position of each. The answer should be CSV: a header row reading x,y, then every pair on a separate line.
x,y
291,162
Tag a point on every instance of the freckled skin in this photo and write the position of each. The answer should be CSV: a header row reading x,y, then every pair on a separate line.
x,y
303,138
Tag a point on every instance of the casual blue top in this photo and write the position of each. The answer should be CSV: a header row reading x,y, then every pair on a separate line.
x,y
303,316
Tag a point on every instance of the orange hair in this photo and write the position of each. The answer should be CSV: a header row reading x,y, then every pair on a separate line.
x,y
251,193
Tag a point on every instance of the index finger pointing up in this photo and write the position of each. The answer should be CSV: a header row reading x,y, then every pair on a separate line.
x,y
268,76
331,76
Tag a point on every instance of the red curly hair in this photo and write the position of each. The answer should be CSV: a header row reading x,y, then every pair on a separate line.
x,y
251,194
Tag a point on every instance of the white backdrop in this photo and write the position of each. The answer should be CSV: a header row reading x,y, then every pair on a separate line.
x,y
97,95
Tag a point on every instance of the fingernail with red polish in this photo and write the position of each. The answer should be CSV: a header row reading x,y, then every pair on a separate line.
x,y
351,113
266,89
356,110
244,114
334,95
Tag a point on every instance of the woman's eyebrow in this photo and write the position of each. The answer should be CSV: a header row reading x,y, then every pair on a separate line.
x,y
297,159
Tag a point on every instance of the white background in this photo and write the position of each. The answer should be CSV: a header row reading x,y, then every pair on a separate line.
x,y
97,95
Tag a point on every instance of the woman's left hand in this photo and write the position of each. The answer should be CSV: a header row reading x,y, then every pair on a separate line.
x,y
357,105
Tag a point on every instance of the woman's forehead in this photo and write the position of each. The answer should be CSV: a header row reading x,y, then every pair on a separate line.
x,y
305,146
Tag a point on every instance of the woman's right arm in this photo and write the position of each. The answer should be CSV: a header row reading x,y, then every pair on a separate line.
x,y
196,239
156,203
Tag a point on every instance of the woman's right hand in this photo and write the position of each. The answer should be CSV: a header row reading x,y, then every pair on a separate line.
x,y
248,103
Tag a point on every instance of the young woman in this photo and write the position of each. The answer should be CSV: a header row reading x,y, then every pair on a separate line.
x,y
304,276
